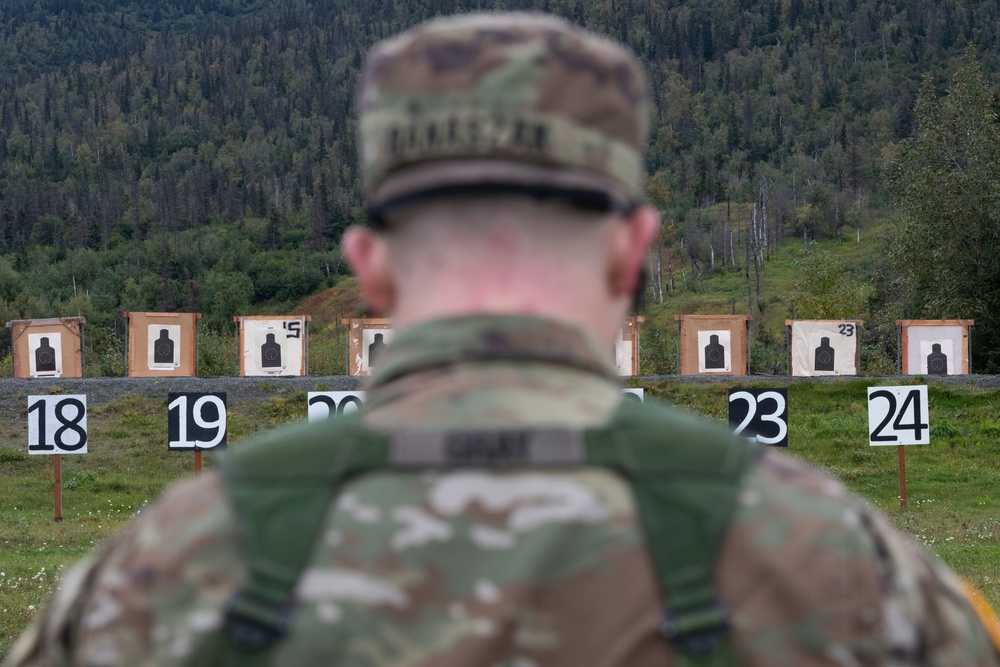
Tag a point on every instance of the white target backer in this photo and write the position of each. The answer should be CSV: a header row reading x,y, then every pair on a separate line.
x,y
273,347
164,346
824,348
45,355
715,352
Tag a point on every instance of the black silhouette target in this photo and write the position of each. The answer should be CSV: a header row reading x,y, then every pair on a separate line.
x,y
375,350
937,361
824,357
163,348
715,353
270,353
45,357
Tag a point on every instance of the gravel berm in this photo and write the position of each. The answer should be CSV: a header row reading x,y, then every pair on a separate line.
x,y
239,390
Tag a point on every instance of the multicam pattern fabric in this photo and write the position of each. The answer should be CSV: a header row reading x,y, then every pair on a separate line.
x,y
527,96
513,568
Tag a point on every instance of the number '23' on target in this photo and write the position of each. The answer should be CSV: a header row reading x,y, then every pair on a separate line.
x,y
760,414
196,421
898,416
57,424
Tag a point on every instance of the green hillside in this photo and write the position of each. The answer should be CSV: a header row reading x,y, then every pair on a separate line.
x,y
185,155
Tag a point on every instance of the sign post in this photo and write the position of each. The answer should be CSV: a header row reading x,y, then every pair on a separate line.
x,y
57,475
57,425
898,416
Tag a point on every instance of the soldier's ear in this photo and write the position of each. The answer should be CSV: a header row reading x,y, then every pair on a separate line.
x,y
367,253
630,239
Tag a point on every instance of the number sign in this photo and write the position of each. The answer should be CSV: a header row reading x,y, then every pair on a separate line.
x,y
635,394
196,422
761,414
898,416
57,424
323,404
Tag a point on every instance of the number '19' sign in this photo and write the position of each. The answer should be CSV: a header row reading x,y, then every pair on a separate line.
x,y
196,422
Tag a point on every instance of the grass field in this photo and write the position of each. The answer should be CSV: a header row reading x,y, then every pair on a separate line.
x,y
954,507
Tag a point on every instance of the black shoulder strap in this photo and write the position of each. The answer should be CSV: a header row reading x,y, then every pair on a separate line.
x,y
685,475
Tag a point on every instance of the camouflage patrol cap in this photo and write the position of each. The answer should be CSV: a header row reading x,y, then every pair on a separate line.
x,y
516,101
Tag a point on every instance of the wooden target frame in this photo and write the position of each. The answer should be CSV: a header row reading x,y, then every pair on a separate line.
x,y
906,330
358,344
243,320
628,345
690,351
185,325
72,362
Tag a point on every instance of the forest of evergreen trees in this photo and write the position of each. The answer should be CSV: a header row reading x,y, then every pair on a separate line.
x,y
200,154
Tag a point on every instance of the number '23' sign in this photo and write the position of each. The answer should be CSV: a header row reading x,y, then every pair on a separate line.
x,y
761,414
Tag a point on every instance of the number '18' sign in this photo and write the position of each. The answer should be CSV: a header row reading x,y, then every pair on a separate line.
x,y
57,424
196,422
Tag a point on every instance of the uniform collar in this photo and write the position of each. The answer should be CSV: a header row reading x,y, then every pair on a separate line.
x,y
479,338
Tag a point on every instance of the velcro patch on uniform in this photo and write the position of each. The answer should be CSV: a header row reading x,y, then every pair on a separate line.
x,y
488,448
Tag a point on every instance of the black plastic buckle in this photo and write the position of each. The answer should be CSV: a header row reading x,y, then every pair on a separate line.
x,y
254,623
696,632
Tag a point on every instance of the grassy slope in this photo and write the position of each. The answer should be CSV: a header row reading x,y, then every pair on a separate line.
x,y
953,506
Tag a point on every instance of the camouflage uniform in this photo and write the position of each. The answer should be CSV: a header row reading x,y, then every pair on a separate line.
x,y
519,567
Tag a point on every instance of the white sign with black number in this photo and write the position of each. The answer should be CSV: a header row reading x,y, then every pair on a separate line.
x,y
196,422
323,404
635,394
898,416
762,414
57,424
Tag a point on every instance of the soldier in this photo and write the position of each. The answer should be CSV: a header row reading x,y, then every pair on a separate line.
x,y
496,503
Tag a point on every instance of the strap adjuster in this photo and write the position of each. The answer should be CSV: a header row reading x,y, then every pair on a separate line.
x,y
696,632
255,623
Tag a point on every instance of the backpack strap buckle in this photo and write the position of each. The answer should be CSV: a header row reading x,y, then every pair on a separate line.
x,y
254,622
696,631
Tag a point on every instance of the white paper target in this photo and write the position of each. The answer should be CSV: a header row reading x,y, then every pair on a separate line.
x,y
623,356
373,343
714,352
163,346
273,347
824,348
45,355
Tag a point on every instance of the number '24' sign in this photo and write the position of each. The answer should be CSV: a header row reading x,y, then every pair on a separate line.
x,y
898,416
